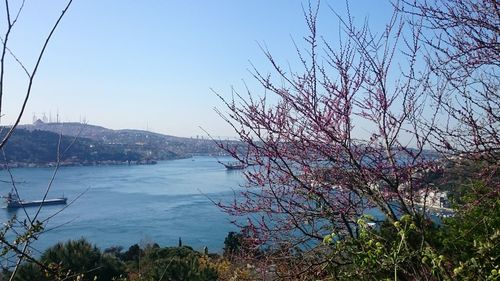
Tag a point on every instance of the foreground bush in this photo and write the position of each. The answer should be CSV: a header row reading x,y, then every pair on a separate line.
x,y
462,247
73,260
169,263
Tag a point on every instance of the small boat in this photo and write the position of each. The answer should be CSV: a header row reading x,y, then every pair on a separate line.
x,y
13,201
234,165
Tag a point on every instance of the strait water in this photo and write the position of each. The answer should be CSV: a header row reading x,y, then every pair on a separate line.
x,y
124,205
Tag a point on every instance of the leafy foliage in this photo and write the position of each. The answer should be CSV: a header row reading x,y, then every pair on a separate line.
x,y
462,247
42,147
169,263
73,260
232,243
471,239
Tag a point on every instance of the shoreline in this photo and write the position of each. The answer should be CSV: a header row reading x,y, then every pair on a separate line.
x,y
14,165
83,164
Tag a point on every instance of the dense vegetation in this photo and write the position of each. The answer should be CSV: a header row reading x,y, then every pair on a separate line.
x,y
79,260
42,147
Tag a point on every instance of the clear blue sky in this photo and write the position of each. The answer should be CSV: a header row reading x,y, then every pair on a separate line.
x,y
151,64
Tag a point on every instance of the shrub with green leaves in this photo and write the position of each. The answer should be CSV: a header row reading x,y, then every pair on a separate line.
x,y
463,247
73,260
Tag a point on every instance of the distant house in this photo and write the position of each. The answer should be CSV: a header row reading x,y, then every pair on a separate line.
x,y
433,198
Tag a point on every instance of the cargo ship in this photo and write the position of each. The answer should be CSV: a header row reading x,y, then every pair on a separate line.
x,y
13,201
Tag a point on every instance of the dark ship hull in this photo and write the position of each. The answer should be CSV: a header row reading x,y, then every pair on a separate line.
x,y
14,202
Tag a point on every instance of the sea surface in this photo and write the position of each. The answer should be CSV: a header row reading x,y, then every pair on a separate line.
x,y
124,205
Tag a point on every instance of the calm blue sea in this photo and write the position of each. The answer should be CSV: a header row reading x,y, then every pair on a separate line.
x,y
124,205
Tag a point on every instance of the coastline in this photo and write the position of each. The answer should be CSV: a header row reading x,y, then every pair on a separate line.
x,y
82,164
66,163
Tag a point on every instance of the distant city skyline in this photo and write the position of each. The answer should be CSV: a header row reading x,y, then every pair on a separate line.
x,y
127,64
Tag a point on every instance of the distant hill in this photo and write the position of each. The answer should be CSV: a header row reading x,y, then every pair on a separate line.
x,y
157,144
41,148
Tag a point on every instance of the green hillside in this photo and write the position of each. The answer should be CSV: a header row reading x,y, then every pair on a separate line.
x,y
43,147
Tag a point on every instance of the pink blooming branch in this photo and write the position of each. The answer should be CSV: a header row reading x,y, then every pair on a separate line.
x,y
349,132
